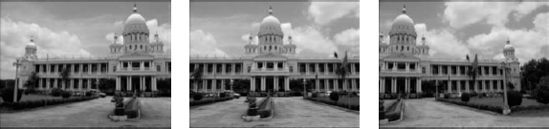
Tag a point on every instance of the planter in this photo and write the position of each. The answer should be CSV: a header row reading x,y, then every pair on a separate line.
x,y
252,111
119,111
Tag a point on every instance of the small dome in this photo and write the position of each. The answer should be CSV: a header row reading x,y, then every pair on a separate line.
x,y
31,44
135,23
270,25
508,46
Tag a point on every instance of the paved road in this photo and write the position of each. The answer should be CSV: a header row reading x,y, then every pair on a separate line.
x,y
289,112
429,113
94,113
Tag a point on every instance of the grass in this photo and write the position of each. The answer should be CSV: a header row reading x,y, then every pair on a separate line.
x,y
388,102
499,101
345,100
37,97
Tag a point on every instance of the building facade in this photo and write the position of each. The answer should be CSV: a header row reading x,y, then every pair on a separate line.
x,y
405,64
271,64
136,64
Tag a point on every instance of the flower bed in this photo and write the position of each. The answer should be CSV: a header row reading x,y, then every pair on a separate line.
x,y
349,103
265,108
43,102
207,101
496,107
132,108
394,111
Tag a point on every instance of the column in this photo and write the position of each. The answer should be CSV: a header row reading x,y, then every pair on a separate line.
x,y
393,85
327,84
154,88
336,84
381,88
204,85
141,80
47,83
118,83
89,84
287,84
326,69
223,70
316,85
499,85
129,83
458,72
407,69
263,83
306,68
353,85
214,85
233,68
459,84
419,85
252,85
275,83
264,66
467,86
440,70
71,84
449,86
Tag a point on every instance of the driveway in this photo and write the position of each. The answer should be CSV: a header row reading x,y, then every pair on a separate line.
x,y
289,112
94,113
430,113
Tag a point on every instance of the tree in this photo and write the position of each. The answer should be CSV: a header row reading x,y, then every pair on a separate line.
x,y
107,86
197,77
532,71
64,75
32,82
542,92
343,70
473,71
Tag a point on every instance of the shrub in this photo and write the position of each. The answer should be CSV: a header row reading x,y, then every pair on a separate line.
x,y
66,94
542,94
198,96
56,92
465,97
88,94
222,95
314,95
446,96
7,94
334,96
514,98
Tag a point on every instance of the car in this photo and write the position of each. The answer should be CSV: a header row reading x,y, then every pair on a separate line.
x,y
102,95
236,95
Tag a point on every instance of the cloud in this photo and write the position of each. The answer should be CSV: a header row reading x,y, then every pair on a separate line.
x,y
309,38
442,42
164,33
326,12
204,44
348,37
15,36
462,14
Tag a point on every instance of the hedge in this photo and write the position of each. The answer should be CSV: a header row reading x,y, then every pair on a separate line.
x,y
393,112
207,101
132,108
352,107
496,109
40,103
265,108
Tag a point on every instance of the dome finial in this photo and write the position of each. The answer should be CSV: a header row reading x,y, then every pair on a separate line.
x,y
135,7
32,39
508,42
404,9
270,10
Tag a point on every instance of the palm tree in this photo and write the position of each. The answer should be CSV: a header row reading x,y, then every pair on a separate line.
x,y
197,77
64,75
473,71
343,70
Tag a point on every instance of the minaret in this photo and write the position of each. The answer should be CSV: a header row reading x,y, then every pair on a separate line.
x,y
509,51
423,41
270,10
134,8
250,39
404,9
30,50
156,37
380,38
290,39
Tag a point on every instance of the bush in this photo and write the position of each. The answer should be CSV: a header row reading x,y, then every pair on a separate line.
x,y
66,94
542,94
514,98
446,96
56,92
7,94
465,97
222,95
88,94
334,96
314,95
198,96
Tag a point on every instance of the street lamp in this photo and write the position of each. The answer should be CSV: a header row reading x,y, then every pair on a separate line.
x,y
17,63
304,90
506,109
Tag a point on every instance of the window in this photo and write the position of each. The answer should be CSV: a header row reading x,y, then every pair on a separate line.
x,y
114,68
158,68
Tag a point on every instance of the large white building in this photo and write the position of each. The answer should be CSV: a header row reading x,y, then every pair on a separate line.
x,y
271,64
136,64
405,64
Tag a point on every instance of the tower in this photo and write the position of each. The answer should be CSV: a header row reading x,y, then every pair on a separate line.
x,y
30,50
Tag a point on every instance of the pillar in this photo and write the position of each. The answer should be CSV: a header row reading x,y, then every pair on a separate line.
x,y
47,83
419,85
307,69
467,86
327,84
252,81
336,84
214,84
440,70
223,67
154,85
204,85
129,83
381,85
393,85
89,84
459,84
316,85
117,83
71,84
287,84
80,84
233,68
407,83
449,85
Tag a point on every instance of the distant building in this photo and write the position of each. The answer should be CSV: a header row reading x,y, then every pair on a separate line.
x,y
270,65
404,65
136,64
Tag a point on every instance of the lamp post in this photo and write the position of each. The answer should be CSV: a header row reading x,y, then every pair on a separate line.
x,y
232,82
304,90
17,63
506,109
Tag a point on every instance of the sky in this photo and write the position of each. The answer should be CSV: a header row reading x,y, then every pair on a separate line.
x,y
456,29
318,29
66,29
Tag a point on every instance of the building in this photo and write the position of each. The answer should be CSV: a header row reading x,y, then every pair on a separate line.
x,y
405,64
136,64
270,65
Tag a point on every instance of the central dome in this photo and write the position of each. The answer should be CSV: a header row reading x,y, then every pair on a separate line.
x,y
270,25
135,18
31,44
403,24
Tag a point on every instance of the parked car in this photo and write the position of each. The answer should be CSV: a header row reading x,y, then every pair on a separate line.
x,y
236,95
102,95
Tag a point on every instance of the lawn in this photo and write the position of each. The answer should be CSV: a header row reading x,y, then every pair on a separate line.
x,y
499,101
344,100
37,97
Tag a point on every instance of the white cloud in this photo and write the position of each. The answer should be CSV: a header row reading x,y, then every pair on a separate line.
x,y
309,38
348,37
164,33
326,12
442,42
15,36
204,44
462,14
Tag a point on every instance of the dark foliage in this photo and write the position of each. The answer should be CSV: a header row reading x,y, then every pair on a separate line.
x,y
334,96
40,103
542,91
465,97
66,94
7,94
56,92
514,98
198,96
